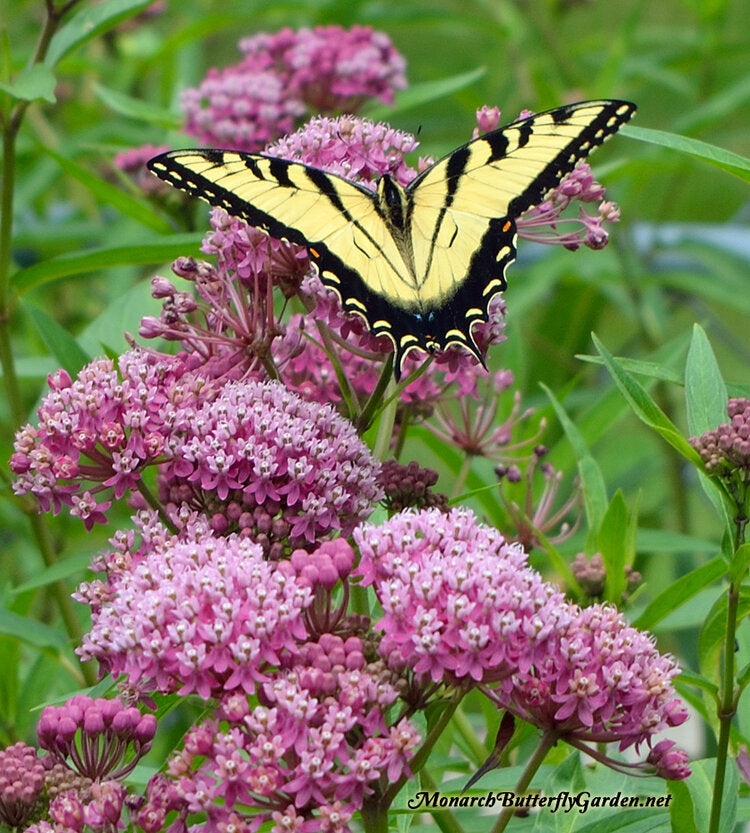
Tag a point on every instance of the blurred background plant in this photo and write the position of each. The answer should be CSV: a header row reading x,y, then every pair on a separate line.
x,y
89,231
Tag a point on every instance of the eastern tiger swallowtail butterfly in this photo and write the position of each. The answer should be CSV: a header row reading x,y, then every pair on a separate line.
x,y
420,264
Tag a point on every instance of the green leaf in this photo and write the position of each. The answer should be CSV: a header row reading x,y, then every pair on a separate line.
x,y
705,391
137,209
137,109
32,633
73,566
58,341
592,481
36,83
645,408
90,23
699,681
706,400
165,249
691,808
425,93
740,563
711,638
730,162
630,821
651,370
611,542
680,591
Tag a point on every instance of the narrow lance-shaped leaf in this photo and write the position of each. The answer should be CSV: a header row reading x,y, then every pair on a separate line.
x,y
592,481
37,83
644,406
730,162
706,401
612,540
680,591
705,391
161,250
90,23
58,341
105,192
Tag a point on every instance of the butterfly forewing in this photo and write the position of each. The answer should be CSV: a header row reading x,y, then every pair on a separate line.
x,y
336,219
480,189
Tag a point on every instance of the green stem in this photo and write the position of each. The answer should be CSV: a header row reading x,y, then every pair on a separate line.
x,y
727,704
460,481
385,426
39,528
548,740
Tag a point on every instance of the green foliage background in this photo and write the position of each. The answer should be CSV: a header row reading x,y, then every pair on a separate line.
x,y
86,242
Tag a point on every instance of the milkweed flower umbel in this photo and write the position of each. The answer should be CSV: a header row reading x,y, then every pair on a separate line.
x,y
252,456
458,600
461,606
306,757
287,75
192,613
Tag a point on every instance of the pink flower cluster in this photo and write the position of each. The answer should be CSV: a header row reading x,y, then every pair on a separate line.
x,y
353,148
461,605
97,433
458,601
96,738
285,75
225,449
258,446
305,758
192,613
598,680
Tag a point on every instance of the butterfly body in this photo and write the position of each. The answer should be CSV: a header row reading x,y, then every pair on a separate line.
x,y
421,263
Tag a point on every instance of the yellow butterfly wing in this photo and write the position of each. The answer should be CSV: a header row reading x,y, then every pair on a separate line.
x,y
464,207
421,264
338,220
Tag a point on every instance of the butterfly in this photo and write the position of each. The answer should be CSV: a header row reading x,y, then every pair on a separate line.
x,y
420,263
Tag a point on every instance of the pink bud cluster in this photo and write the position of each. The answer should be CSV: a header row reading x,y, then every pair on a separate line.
x,y
21,784
97,738
193,613
286,75
306,758
461,605
726,449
